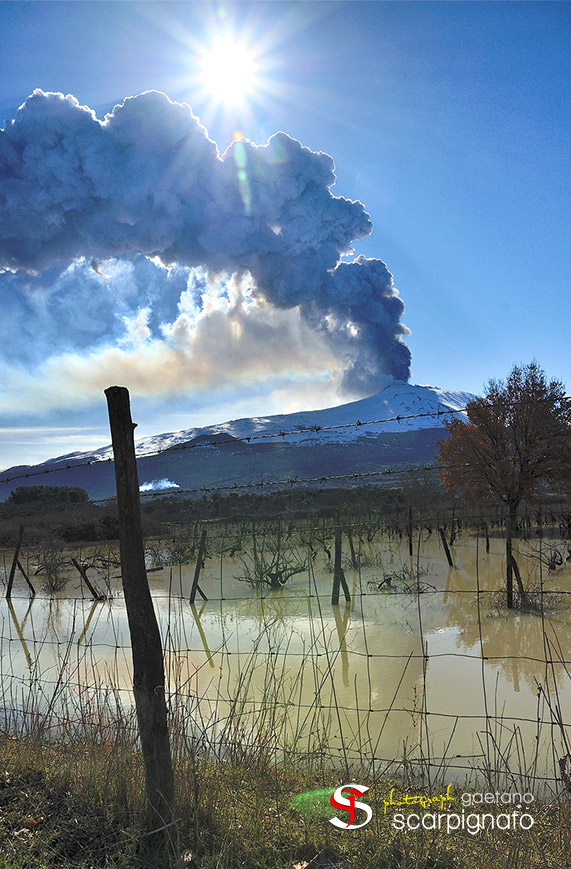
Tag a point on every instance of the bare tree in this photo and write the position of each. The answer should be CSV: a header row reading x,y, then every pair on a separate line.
x,y
517,441
274,559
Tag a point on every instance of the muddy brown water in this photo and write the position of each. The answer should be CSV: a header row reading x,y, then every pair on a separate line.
x,y
444,682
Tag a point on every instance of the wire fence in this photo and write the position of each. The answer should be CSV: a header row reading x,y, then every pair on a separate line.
x,y
224,440
422,672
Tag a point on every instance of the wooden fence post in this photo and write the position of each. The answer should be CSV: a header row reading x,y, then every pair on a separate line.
x,y
148,666
410,549
446,549
338,572
195,586
83,574
15,563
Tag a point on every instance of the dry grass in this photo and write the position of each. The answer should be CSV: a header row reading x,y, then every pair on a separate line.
x,y
78,805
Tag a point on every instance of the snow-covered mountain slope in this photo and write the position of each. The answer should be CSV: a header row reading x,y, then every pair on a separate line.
x,y
399,426
417,406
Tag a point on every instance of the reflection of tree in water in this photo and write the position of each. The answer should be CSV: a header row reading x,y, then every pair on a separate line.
x,y
512,641
274,612
298,623
299,650
550,565
20,628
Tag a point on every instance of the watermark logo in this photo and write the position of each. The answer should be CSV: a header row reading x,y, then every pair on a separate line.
x,y
350,804
472,822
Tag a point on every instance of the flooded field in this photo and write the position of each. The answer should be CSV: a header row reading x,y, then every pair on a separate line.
x,y
424,672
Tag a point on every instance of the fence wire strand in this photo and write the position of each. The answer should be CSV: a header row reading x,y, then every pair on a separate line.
x,y
84,660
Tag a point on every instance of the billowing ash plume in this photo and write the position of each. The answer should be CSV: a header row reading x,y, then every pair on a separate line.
x,y
148,180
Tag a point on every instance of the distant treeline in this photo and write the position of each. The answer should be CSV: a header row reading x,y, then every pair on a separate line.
x,y
291,504
48,495
66,513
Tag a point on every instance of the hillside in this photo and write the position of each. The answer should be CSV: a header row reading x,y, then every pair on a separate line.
x,y
398,426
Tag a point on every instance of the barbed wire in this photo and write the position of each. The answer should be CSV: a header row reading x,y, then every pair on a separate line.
x,y
316,429
287,481
234,486
67,467
295,481
291,481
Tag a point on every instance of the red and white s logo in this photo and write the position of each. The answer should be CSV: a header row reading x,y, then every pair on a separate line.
x,y
349,804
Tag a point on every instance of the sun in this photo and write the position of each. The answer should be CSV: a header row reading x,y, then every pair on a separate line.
x,y
229,71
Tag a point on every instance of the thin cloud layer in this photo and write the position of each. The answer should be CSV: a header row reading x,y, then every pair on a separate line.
x,y
129,245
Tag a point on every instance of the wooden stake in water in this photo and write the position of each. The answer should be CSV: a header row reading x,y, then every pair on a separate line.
x,y
199,561
83,573
446,548
410,550
16,563
338,572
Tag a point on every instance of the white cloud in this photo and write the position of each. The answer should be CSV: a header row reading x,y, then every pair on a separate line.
x,y
232,342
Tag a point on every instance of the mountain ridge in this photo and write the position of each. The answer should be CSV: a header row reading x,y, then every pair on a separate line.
x,y
390,402
358,430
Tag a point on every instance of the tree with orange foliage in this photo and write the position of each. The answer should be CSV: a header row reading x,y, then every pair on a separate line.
x,y
517,440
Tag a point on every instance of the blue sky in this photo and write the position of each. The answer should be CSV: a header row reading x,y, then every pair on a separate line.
x,y
448,121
